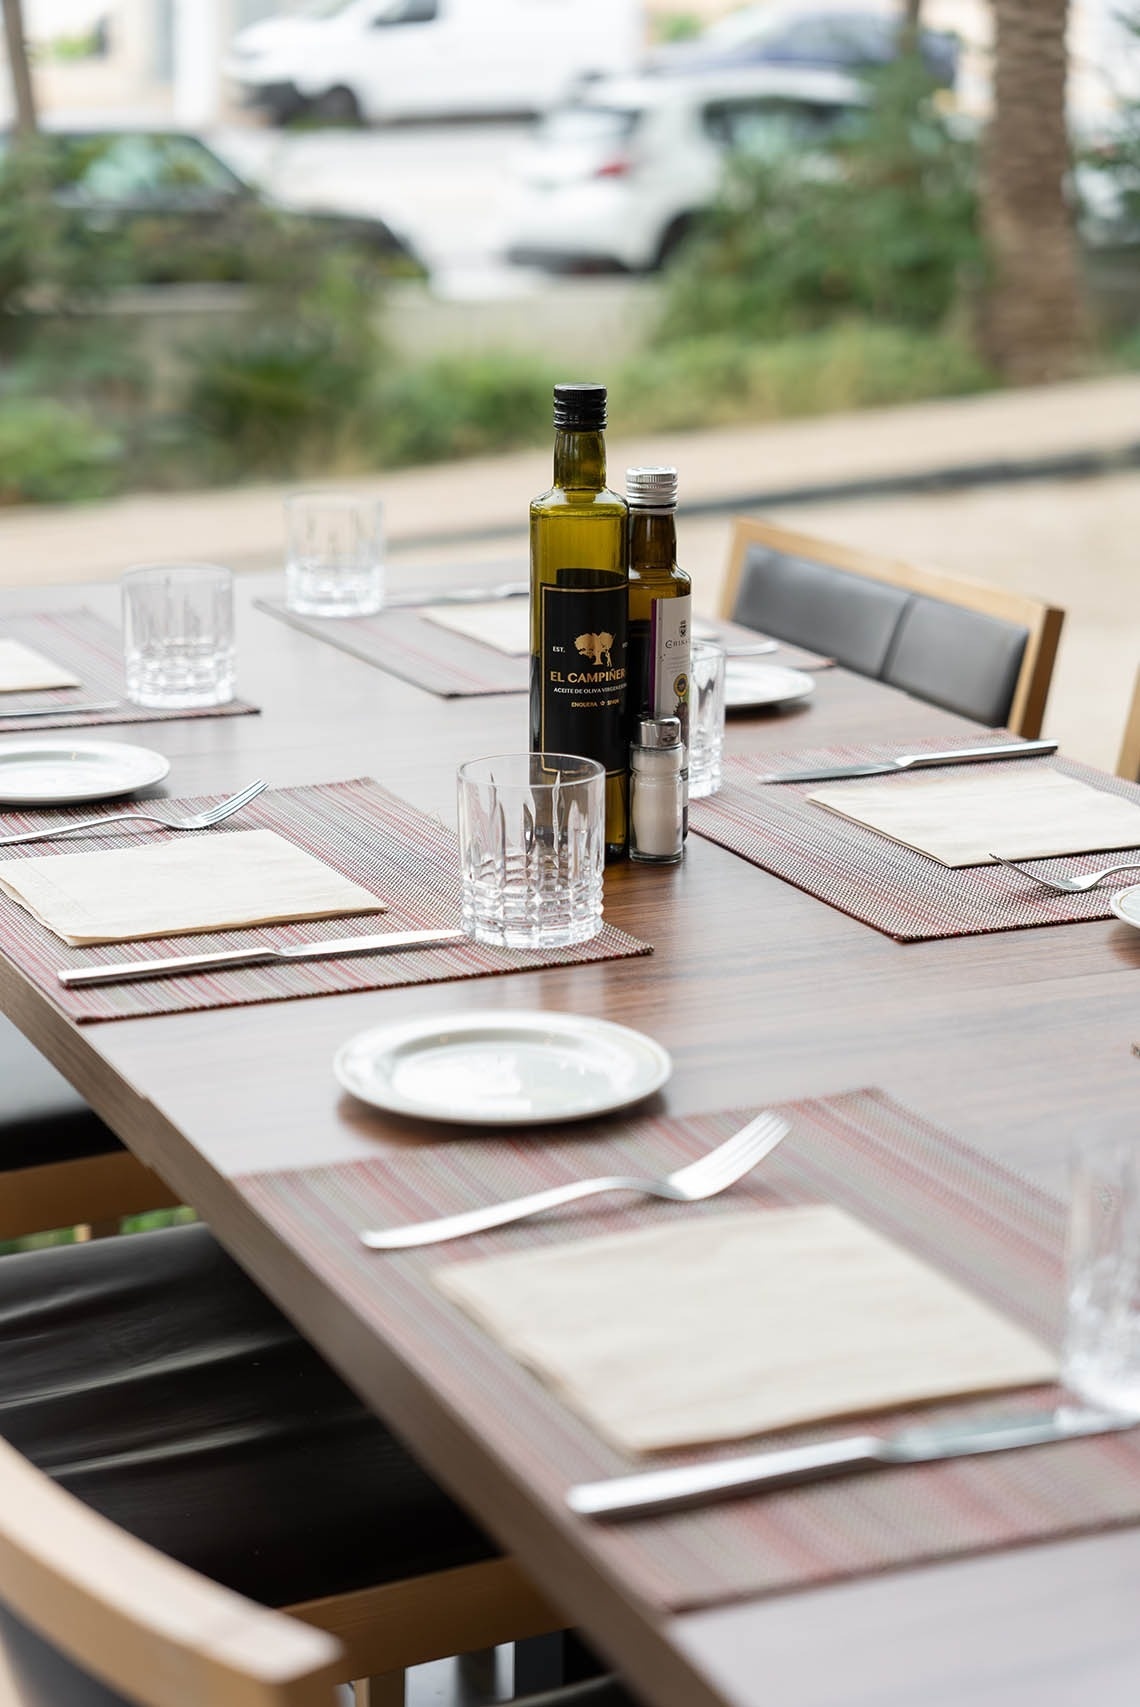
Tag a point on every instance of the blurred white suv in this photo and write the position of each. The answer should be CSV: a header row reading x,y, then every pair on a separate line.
x,y
616,179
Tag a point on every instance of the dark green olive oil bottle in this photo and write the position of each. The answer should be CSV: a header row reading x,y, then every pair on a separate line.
x,y
579,593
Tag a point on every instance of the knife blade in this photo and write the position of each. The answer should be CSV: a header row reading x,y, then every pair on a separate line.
x,y
173,966
61,710
454,595
656,1491
921,761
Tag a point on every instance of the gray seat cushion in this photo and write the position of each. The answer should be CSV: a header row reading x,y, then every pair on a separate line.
x,y
42,1119
961,659
844,616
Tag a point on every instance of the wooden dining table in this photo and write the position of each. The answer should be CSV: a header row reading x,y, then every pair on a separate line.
x,y
1018,1043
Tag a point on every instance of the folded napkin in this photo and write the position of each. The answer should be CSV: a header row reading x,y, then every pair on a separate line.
x,y
501,623
199,882
1028,813
23,670
726,1326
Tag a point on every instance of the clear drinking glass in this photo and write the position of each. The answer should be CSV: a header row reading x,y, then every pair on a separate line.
x,y
706,718
532,835
335,561
178,635
1101,1359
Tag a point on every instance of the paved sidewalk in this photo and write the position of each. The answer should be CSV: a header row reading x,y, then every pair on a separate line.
x,y
431,510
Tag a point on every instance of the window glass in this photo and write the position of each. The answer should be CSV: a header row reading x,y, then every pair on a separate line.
x,y
130,168
770,126
408,12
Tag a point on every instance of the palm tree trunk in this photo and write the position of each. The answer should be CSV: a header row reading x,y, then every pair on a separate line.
x,y
910,25
23,94
1033,320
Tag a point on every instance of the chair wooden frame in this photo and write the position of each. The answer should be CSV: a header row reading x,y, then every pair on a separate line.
x,y
144,1625
137,1619
1042,621
1128,764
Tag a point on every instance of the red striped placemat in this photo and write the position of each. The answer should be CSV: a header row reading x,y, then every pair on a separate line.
x,y
912,1182
408,859
91,649
902,893
423,653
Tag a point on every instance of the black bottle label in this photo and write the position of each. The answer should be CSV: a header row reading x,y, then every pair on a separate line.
x,y
582,669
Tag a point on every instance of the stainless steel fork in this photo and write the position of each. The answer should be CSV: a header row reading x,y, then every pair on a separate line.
x,y
196,821
714,1173
1075,885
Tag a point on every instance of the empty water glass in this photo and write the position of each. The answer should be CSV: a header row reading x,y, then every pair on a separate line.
x,y
178,635
335,562
1101,1361
532,833
706,718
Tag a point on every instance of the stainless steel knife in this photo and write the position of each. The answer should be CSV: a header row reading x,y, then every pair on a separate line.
x,y
61,710
656,1491
127,971
922,761
420,596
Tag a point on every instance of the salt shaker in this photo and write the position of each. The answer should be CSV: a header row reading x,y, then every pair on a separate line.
x,y
657,792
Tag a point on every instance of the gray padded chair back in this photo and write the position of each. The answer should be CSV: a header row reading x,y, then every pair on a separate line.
x,y
828,610
962,660
946,654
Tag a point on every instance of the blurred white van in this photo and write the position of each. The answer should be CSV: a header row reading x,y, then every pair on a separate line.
x,y
384,59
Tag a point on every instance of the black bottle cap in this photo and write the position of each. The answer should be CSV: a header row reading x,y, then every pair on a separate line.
x,y
580,408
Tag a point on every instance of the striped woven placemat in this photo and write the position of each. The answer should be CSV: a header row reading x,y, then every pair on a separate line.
x,y
91,649
420,652
408,859
914,1183
902,893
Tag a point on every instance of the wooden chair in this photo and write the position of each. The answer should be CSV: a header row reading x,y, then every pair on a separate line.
x,y
1128,764
59,1164
153,1381
82,1605
972,648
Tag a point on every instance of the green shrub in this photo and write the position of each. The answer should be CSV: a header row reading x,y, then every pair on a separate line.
x,y
293,392
462,406
712,381
882,224
50,453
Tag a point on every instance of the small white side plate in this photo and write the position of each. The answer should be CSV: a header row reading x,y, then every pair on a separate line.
x,y
502,1069
749,686
55,771
1126,905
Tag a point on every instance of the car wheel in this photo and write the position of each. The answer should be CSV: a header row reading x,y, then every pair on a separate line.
x,y
674,235
339,106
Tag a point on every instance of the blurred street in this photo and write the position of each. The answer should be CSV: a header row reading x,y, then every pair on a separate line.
x,y
439,185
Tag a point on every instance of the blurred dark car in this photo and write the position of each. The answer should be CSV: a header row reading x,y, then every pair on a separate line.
x,y
851,42
186,216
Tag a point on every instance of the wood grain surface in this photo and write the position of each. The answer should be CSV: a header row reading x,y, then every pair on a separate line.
x,y
1018,1043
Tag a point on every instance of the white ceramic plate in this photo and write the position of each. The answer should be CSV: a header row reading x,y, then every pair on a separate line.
x,y
55,771
502,1069
1126,905
748,685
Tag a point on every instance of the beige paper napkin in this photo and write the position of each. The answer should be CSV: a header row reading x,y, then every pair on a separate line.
x,y
501,623
23,670
199,882
722,1328
1029,813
